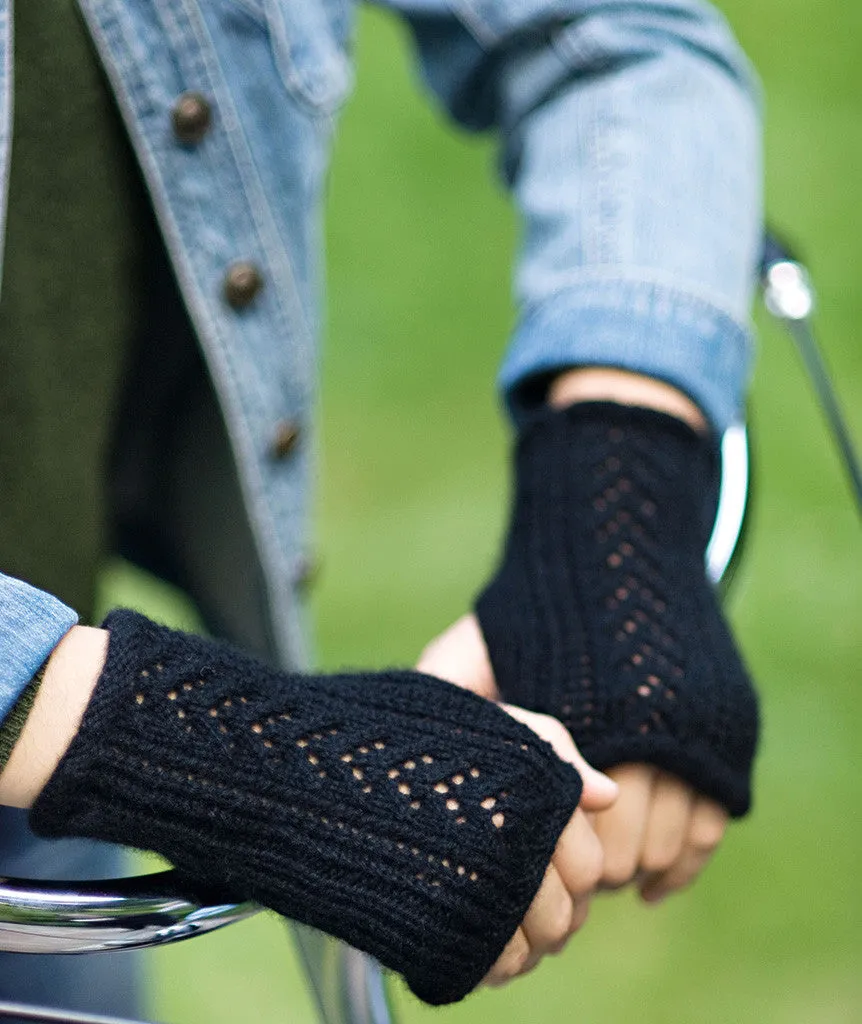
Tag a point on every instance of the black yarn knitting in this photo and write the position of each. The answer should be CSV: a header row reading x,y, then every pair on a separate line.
x,y
393,810
601,614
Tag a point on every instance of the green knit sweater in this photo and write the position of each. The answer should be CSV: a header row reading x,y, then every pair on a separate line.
x,y
71,279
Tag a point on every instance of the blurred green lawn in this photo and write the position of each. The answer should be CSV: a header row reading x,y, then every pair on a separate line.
x,y
412,501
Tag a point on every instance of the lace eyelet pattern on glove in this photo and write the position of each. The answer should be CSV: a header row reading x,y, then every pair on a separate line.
x,y
393,810
601,614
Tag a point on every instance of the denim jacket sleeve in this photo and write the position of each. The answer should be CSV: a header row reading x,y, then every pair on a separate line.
x,y
32,623
630,139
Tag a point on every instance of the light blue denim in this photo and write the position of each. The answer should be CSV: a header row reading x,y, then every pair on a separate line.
x,y
32,623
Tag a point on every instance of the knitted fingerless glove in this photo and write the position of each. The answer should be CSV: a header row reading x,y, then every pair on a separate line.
x,y
601,614
393,810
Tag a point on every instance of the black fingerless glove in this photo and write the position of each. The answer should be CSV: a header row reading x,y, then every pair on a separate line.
x,y
393,810
601,614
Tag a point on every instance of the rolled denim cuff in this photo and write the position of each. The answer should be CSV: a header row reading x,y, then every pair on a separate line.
x,y
32,623
645,327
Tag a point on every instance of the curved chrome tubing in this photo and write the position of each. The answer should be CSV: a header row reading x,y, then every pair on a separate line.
x,y
789,296
47,1015
99,916
156,909
725,543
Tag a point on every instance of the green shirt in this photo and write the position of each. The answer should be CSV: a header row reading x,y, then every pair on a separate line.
x,y
73,263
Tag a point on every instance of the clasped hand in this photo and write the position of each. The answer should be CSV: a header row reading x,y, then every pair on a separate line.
x,y
637,825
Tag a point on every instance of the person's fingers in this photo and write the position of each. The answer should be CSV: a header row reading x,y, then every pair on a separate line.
x,y
554,915
708,824
459,656
581,912
705,831
667,828
600,791
578,857
547,924
511,961
621,829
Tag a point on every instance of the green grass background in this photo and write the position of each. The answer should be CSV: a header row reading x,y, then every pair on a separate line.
x,y
412,501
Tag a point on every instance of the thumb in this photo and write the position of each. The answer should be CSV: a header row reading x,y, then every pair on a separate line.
x,y
600,790
459,656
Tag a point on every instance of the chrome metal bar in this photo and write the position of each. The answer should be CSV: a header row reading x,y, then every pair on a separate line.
x,y
156,909
90,917
725,544
349,986
48,1015
789,296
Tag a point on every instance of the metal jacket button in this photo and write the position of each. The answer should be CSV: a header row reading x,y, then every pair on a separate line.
x,y
192,117
242,283
285,439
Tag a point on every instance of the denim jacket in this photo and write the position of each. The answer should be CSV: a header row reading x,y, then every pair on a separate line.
x,y
629,139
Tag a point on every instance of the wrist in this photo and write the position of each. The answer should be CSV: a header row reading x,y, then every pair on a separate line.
x,y
607,384
69,679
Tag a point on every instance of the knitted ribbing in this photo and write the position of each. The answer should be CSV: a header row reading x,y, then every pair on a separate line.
x,y
601,614
393,810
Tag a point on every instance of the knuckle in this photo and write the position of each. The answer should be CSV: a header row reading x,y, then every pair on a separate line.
x,y
618,869
514,958
595,866
590,866
559,928
579,916
529,964
706,835
658,859
517,962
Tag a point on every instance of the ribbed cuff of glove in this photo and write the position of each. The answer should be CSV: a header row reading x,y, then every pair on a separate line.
x,y
601,614
393,810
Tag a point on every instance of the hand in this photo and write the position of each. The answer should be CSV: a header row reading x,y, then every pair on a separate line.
x,y
271,783
562,903
659,833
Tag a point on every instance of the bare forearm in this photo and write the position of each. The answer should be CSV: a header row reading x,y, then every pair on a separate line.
x,y
68,683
